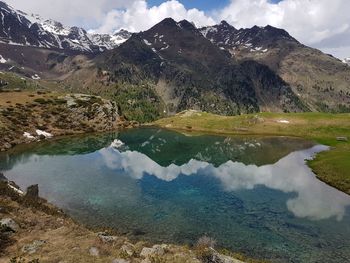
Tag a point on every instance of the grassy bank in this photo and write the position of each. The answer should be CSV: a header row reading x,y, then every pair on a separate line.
x,y
332,167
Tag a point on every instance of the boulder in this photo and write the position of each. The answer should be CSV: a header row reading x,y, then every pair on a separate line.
x,y
3,178
156,250
93,251
128,248
120,260
33,192
10,224
105,238
33,247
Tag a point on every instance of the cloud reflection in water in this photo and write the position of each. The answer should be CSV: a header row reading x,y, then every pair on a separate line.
x,y
314,199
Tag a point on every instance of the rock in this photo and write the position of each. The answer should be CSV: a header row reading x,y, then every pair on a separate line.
x,y
10,224
3,178
156,250
105,238
128,248
219,258
93,251
33,248
120,260
33,192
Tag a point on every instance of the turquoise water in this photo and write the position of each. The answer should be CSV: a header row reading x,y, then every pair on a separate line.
x,y
253,195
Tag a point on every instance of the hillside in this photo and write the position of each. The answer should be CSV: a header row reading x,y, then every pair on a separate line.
x,y
29,112
320,80
188,71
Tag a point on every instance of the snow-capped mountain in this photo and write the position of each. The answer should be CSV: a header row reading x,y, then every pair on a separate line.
x,y
255,39
19,28
346,61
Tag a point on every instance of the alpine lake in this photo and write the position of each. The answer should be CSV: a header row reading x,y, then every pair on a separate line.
x,y
253,195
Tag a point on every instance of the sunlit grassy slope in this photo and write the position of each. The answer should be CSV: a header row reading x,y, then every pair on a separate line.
x,y
332,166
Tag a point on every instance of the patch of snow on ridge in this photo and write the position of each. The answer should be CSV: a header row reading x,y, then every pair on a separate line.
x,y
147,43
2,60
346,61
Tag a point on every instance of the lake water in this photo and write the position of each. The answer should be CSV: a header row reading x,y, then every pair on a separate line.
x,y
253,195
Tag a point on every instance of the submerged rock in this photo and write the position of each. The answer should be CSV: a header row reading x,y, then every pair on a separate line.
x,y
10,224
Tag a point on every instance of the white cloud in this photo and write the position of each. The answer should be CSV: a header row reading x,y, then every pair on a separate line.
x,y
139,16
319,23
71,12
314,199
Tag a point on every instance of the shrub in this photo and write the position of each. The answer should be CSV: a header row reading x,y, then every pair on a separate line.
x,y
204,249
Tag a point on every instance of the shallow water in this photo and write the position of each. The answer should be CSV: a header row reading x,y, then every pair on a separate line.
x,y
253,195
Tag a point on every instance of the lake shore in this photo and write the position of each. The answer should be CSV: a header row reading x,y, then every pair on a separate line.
x,y
29,116
331,167
33,230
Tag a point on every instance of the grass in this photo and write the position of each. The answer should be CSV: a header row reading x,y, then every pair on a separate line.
x,y
332,167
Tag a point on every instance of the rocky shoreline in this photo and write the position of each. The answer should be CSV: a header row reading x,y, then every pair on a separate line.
x,y
27,117
32,230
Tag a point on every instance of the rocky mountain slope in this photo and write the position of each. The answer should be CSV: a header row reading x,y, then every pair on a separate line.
x,y
320,80
19,28
188,71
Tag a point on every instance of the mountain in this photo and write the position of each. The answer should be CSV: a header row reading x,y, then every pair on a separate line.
x,y
175,66
182,69
255,39
346,61
19,28
319,80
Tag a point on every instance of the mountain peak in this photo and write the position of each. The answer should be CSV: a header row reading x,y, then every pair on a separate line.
x,y
187,25
167,22
225,24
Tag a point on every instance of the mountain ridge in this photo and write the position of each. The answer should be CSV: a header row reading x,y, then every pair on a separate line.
x,y
46,33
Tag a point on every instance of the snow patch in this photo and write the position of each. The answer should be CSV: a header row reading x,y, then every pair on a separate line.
x,y
283,121
346,61
44,133
36,77
2,60
147,43
29,136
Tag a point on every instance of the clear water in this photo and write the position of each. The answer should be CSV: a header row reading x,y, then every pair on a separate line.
x,y
253,195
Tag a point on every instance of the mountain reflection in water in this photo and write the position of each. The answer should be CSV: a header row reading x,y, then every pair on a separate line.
x,y
314,199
